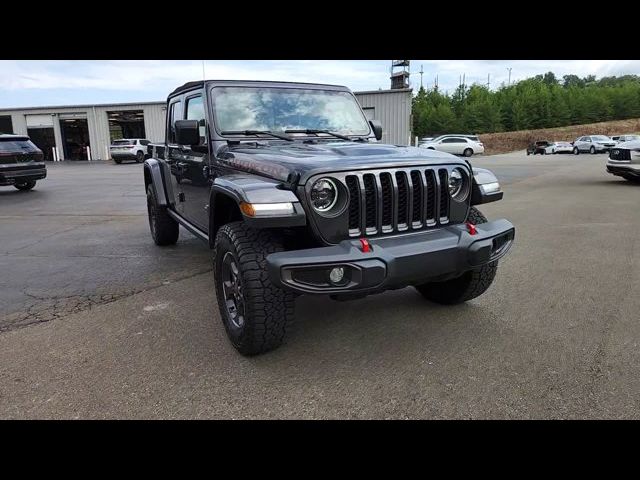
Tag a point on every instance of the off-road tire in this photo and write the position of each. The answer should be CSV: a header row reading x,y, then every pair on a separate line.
x,y
592,150
164,229
28,185
139,156
469,285
576,151
268,310
467,152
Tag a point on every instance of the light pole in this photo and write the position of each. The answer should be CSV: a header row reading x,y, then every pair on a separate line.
x,y
509,68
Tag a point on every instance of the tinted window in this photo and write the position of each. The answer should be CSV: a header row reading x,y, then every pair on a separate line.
x,y
195,111
122,142
454,140
175,113
7,146
144,142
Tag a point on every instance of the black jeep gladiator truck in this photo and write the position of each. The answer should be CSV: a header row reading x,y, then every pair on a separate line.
x,y
290,187
21,162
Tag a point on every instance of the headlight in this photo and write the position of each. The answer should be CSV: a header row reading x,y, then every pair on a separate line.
x,y
324,195
458,185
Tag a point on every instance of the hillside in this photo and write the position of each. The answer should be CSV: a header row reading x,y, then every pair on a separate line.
x,y
509,141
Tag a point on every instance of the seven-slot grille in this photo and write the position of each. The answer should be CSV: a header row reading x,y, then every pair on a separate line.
x,y
397,200
620,154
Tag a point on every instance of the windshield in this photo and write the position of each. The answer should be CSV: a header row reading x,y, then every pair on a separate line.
x,y
280,109
600,138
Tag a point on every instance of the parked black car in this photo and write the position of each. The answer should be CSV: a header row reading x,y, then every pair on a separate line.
x,y
288,185
21,162
538,147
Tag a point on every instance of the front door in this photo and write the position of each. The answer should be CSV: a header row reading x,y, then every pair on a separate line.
x,y
173,154
196,183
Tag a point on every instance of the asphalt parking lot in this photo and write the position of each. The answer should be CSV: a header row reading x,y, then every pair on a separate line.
x,y
98,322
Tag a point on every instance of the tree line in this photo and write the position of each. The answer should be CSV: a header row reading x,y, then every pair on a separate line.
x,y
542,101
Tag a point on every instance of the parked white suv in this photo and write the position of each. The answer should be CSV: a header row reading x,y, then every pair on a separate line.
x,y
129,149
593,144
456,145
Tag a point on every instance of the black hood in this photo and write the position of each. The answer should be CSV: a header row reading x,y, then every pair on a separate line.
x,y
279,160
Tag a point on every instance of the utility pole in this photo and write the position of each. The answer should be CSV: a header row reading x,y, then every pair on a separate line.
x,y
421,72
203,76
509,68
488,81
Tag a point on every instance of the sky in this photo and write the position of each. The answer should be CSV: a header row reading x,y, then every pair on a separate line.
x,y
71,82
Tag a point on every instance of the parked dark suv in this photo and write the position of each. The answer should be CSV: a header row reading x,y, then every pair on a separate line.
x,y
21,162
288,184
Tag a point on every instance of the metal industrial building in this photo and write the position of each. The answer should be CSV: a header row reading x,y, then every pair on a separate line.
x,y
84,132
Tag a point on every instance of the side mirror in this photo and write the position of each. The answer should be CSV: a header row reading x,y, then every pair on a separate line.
x,y
377,128
187,132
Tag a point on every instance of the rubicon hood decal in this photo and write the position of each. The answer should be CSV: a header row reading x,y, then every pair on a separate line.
x,y
277,160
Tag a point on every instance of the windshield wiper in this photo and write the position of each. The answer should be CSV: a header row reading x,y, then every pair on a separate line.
x,y
310,131
257,132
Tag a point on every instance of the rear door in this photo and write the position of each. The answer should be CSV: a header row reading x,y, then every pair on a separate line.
x,y
448,145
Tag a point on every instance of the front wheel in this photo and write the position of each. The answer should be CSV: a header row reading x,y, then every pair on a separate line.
x,y
256,313
466,287
27,185
467,152
576,151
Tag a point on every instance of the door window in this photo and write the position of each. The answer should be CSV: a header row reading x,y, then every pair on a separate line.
x,y
175,113
195,111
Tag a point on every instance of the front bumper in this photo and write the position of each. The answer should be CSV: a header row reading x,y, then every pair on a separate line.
x,y
623,169
393,262
11,177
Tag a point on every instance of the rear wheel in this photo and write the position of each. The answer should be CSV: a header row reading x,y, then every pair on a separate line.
x,y
140,156
467,152
576,151
27,185
592,150
256,313
117,160
164,229
469,285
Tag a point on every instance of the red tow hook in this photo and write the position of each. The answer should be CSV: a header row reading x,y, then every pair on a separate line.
x,y
471,228
366,246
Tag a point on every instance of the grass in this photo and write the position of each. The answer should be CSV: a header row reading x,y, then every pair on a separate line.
x,y
504,142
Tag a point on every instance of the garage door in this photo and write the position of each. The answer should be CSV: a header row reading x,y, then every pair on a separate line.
x,y
35,121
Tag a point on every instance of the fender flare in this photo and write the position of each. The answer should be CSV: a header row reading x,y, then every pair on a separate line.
x,y
482,176
154,174
255,190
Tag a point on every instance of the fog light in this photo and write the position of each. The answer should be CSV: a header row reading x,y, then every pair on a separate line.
x,y
336,275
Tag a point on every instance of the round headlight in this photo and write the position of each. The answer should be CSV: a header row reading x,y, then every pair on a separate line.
x,y
458,185
324,195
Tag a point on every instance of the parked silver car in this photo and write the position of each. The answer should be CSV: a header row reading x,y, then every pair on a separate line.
x,y
593,144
